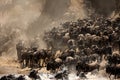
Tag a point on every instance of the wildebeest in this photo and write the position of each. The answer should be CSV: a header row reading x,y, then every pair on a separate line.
x,y
52,65
8,77
21,77
44,56
62,75
83,67
26,58
113,70
67,53
34,75
104,51
113,59
19,48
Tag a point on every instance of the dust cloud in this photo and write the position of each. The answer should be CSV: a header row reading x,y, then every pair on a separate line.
x,y
102,7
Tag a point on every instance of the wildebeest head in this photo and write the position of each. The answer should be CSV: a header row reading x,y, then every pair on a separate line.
x,y
21,77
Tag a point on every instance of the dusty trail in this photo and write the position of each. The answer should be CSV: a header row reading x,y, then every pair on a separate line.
x,y
8,66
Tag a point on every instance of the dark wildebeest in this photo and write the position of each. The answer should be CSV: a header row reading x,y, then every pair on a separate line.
x,y
86,67
67,53
53,65
62,75
113,70
9,77
104,51
34,75
43,56
113,59
21,77
19,48
26,58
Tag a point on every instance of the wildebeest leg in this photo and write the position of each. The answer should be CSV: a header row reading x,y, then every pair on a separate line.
x,y
43,62
26,63
115,77
105,57
101,58
119,48
35,63
29,63
62,77
39,62
78,72
110,76
46,60
22,64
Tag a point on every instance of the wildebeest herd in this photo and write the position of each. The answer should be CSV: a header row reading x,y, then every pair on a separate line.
x,y
83,44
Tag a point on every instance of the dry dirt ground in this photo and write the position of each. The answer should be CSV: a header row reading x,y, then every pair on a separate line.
x,y
10,66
